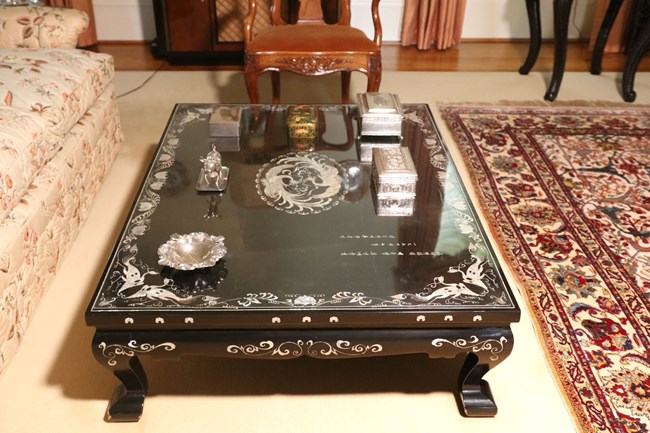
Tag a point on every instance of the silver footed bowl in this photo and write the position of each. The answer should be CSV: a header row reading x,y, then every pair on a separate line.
x,y
191,251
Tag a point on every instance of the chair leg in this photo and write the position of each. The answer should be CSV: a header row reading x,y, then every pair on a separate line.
x,y
603,35
534,22
561,12
374,80
345,86
275,86
639,48
251,77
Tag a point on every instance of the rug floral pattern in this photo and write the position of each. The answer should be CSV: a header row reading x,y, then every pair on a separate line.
x,y
567,194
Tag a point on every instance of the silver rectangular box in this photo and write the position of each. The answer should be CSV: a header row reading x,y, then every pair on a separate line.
x,y
225,122
366,144
381,114
393,171
394,206
394,180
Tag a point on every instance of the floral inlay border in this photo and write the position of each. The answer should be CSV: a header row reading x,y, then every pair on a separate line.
x,y
313,348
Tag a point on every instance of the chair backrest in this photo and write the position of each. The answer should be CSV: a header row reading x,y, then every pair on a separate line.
x,y
311,11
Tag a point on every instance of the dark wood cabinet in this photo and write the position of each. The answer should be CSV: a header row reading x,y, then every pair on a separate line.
x,y
187,32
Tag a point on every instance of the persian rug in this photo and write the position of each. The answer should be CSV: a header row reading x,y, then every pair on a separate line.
x,y
566,191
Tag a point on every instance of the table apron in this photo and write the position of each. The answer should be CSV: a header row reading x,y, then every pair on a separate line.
x,y
493,344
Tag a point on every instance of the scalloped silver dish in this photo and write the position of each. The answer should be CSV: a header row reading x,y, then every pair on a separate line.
x,y
191,251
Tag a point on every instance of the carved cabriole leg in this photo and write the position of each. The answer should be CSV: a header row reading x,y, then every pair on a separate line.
x,y
484,349
116,352
374,72
534,22
251,75
128,398
561,12
603,35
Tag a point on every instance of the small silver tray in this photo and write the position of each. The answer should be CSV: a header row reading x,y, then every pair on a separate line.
x,y
191,251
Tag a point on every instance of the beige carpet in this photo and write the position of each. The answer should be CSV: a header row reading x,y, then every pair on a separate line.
x,y
54,384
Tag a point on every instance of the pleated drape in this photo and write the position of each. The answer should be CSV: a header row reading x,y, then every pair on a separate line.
x,y
432,22
89,37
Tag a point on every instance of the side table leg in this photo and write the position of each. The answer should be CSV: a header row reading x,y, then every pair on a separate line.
x,y
113,352
636,53
534,22
603,35
561,12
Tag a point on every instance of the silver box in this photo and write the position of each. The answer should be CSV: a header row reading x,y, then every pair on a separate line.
x,y
394,206
366,144
394,179
381,114
393,171
225,122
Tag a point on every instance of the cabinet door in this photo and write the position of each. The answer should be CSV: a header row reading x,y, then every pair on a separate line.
x,y
190,25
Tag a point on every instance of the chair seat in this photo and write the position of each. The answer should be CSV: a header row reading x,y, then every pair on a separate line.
x,y
311,38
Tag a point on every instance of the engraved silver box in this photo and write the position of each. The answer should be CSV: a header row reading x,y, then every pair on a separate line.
x,y
394,206
225,122
381,114
394,179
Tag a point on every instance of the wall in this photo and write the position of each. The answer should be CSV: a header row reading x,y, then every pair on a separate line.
x,y
132,20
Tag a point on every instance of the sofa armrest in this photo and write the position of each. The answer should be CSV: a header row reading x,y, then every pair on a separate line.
x,y
41,27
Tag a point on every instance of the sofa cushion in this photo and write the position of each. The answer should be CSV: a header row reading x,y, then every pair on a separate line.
x,y
43,93
40,27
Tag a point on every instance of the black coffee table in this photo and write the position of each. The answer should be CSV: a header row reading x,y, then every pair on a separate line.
x,y
310,270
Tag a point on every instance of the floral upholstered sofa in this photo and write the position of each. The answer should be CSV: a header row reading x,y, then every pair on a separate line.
x,y
59,133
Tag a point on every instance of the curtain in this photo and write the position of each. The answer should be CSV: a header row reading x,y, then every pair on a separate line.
x,y
89,37
617,34
429,22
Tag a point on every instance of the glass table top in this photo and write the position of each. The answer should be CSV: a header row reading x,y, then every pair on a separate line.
x,y
301,230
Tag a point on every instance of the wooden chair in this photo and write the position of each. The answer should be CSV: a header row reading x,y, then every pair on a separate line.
x,y
311,47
